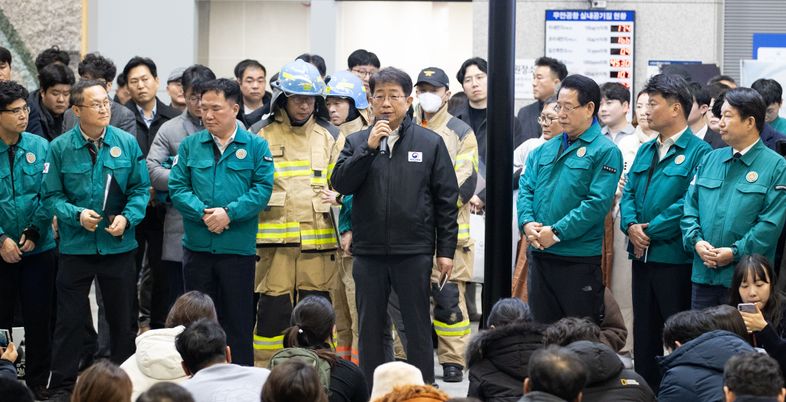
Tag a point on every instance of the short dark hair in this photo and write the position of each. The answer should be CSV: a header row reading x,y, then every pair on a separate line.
x,y
311,323
55,74
165,392
556,66
293,380
727,318
699,93
14,390
241,67
571,329
362,57
748,104
315,60
229,88
615,91
753,374
508,311
587,88
202,343
685,326
51,55
557,371
673,88
5,55
479,62
10,92
96,66
770,90
137,61
394,76
78,90
121,80
195,75
718,78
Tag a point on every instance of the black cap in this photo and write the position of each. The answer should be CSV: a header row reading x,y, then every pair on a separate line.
x,y
433,76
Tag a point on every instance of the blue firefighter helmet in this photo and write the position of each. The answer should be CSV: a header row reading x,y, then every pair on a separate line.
x,y
300,78
344,84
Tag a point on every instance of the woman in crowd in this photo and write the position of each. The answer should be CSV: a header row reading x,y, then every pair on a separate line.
x,y
102,382
753,283
312,325
497,358
156,358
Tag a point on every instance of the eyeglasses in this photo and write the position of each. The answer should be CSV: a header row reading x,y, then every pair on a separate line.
x,y
363,73
98,106
301,99
19,111
194,99
546,120
392,98
566,108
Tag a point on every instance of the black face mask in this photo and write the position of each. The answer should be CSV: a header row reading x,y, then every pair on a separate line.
x,y
353,113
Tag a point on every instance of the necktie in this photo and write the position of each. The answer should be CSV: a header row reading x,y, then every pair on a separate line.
x,y
11,156
93,149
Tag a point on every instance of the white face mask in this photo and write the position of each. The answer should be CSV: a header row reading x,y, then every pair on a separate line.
x,y
430,102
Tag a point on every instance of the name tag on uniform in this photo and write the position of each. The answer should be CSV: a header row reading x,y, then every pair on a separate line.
x,y
415,157
46,167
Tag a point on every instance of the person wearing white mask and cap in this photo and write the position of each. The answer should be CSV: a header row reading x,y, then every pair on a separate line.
x,y
451,320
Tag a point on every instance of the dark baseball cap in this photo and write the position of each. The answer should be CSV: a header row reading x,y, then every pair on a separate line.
x,y
433,76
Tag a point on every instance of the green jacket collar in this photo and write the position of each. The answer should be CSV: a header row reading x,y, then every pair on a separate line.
x,y
591,133
749,156
241,136
78,141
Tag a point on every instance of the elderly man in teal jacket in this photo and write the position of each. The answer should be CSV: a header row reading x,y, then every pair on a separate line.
x,y
564,197
651,209
27,266
222,177
96,182
737,202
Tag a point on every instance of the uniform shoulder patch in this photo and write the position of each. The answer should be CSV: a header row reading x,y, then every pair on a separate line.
x,y
459,127
333,130
609,169
628,381
268,158
780,187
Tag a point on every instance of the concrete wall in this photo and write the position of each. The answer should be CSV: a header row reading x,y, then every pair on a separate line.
x,y
164,31
665,29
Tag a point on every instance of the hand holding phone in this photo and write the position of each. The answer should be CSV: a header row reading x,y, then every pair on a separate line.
x,y
443,279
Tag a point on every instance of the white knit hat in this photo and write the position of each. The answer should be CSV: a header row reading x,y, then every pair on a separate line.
x,y
394,374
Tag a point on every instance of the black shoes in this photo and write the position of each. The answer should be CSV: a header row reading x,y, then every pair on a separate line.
x,y
452,373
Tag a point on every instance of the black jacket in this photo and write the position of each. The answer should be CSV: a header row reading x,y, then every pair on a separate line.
x,y
248,120
347,383
145,135
462,113
771,137
498,359
694,371
714,139
404,203
45,124
528,120
771,339
608,379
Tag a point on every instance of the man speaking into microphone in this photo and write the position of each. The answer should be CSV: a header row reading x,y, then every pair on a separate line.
x,y
405,194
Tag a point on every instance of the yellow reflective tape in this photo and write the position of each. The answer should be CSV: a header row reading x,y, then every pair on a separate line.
x,y
274,231
318,236
457,329
319,181
292,168
266,343
463,232
300,163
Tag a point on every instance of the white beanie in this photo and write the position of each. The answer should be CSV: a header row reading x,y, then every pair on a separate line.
x,y
394,374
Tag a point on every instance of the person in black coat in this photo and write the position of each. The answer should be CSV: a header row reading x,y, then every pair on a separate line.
x,y
607,377
498,357
312,324
752,283
694,369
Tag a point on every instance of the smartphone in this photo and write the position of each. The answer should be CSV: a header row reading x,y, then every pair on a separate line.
x,y
5,337
747,307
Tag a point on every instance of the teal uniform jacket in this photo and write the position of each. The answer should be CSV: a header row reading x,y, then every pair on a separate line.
x,y
72,183
240,180
20,192
779,124
661,202
735,203
345,215
571,191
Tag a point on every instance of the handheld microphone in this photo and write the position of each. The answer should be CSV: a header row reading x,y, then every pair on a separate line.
x,y
383,143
